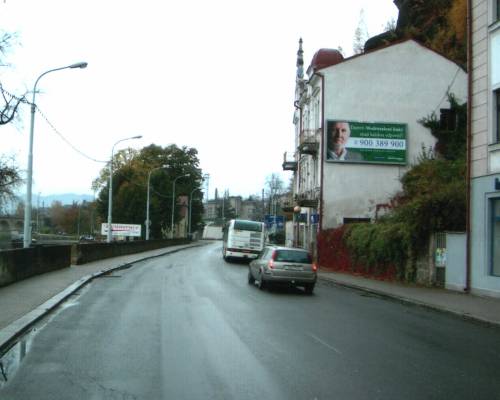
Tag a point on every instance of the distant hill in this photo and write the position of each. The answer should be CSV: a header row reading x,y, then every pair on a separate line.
x,y
64,198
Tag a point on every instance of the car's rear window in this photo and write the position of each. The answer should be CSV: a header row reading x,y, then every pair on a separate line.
x,y
293,256
248,226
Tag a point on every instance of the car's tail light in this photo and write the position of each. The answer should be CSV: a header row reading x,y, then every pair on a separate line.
x,y
314,267
271,261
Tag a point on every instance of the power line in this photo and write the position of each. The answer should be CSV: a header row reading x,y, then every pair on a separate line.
x,y
56,131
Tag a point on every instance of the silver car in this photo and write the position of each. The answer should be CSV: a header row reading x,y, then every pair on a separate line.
x,y
283,265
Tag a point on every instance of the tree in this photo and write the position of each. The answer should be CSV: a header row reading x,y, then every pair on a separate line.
x,y
390,25
360,34
8,110
130,175
10,180
439,24
274,187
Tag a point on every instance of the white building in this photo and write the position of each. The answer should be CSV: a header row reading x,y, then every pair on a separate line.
x,y
381,94
484,258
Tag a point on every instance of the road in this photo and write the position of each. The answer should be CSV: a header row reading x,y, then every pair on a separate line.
x,y
188,326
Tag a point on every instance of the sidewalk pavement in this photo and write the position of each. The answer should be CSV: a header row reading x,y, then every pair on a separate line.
x,y
484,309
24,302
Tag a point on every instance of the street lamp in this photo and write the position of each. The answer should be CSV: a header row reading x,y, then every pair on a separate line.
x,y
173,201
296,211
110,199
29,180
147,202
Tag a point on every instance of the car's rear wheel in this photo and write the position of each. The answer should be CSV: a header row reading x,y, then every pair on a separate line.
x,y
251,279
262,283
309,288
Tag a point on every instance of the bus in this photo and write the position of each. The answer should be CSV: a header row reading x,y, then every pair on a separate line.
x,y
243,239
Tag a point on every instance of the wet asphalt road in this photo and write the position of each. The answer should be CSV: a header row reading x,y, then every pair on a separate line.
x,y
188,326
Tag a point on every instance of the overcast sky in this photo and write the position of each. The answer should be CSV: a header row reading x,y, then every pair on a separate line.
x,y
216,75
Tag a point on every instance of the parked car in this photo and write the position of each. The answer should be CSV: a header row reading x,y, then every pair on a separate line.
x,y
283,265
86,238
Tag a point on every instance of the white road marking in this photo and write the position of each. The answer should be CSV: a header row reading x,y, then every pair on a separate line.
x,y
324,343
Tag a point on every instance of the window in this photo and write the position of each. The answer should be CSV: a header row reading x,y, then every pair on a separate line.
x,y
497,9
293,256
248,226
497,115
495,236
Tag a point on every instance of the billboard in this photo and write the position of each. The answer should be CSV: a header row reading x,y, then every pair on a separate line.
x,y
121,230
365,142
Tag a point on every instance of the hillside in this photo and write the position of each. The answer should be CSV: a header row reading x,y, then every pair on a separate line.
x,y
439,24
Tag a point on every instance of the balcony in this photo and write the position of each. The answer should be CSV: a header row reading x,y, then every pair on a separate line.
x,y
309,141
308,198
289,164
287,205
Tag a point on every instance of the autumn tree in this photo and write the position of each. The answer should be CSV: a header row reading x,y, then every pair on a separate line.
x,y
130,175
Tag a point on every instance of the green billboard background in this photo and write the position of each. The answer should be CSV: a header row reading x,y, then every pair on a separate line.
x,y
381,143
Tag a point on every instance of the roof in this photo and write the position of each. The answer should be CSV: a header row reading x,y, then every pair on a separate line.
x,y
325,58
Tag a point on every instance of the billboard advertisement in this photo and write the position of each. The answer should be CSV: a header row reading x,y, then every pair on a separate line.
x,y
121,230
365,142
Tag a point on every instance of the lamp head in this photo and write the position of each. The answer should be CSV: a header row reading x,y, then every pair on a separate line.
x,y
79,65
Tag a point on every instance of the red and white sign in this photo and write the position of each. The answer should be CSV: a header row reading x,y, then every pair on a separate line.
x,y
121,230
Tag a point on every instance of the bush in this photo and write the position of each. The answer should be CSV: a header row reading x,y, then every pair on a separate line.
x,y
380,248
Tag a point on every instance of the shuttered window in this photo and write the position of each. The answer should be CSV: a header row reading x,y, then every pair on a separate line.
x,y
495,236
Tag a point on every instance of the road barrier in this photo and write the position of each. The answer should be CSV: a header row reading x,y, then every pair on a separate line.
x,y
83,253
19,264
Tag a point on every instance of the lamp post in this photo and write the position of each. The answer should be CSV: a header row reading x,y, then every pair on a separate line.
x,y
29,180
147,201
296,211
173,202
110,199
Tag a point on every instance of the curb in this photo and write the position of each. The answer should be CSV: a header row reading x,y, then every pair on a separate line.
x,y
12,332
409,301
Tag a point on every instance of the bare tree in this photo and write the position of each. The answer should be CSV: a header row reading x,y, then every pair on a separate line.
x,y
360,34
390,25
10,179
274,187
11,102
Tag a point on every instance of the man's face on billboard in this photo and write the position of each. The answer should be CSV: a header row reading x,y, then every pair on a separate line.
x,y
340,134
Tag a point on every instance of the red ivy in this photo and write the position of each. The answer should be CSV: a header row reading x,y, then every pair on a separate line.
x,y
334,255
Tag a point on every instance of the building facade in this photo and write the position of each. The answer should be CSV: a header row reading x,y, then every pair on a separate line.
x,y
357,129
250,209
484,149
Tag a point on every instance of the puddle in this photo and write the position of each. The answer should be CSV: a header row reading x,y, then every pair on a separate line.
x,y
10,361
13,358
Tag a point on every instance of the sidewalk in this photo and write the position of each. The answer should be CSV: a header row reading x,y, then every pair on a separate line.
x,y
24,302
484,309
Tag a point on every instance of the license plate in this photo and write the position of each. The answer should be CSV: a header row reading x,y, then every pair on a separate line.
x,y
293,268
